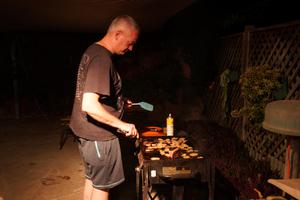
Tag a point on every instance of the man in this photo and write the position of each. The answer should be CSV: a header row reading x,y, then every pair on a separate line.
x,y
98,107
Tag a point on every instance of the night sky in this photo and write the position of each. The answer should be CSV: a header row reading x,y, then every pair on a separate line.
x,y
38,68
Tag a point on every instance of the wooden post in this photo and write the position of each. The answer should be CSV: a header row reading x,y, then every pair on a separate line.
x,y
245,64
295,156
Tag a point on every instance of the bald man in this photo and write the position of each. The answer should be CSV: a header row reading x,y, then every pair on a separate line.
x,y
98,108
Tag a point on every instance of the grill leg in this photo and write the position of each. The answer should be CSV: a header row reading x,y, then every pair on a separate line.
x,y
211,182
178,191
137,182
145,184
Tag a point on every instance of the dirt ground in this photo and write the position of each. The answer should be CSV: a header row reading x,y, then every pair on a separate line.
x,y
32,166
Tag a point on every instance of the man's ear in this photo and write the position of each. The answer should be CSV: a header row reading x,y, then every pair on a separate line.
x,y
118,34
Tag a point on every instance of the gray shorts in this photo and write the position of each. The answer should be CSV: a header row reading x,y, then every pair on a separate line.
x,y
103,162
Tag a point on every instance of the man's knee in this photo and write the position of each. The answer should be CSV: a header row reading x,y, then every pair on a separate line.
x,y
100,194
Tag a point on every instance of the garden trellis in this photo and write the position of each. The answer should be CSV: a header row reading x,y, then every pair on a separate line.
x,y
277,46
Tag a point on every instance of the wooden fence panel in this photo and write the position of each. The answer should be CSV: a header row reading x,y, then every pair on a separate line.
x,y
229,56
279,47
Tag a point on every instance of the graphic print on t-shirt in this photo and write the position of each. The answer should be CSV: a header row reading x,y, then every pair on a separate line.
x,y
81,77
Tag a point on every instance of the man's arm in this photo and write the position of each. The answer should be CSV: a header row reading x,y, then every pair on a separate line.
x,y
92,106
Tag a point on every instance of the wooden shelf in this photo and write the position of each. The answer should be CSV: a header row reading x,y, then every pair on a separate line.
x,y
290,186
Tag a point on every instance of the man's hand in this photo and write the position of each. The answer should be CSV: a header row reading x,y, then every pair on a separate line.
x,y
129,130
128,103
91,105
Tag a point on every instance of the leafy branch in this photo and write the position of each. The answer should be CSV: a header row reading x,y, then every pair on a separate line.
x,y
257,87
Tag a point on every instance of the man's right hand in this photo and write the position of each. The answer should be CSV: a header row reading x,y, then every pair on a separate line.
x,y
91,105
129,130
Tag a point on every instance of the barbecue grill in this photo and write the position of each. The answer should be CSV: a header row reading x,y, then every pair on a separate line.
x,y
161,162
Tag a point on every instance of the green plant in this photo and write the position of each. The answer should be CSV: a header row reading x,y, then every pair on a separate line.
x,y
228,76
257,86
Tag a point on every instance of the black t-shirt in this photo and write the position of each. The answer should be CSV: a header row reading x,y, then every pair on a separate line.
x,y
96,74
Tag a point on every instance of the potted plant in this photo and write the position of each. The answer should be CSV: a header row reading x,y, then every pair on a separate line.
x,y
259,86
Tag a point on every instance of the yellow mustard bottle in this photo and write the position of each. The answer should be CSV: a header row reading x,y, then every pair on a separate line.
x,y
170,125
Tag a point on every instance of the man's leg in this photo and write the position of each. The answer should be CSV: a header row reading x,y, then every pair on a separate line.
x,y
88,190
100,194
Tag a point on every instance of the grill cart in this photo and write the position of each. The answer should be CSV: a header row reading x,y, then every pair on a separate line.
x,y
170,160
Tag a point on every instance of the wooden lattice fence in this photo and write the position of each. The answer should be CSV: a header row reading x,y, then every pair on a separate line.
x,y
277,46
229,55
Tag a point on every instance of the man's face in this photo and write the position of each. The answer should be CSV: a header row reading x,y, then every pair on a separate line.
x,y
126,41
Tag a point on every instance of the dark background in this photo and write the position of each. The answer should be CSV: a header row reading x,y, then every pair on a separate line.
x,y
38,66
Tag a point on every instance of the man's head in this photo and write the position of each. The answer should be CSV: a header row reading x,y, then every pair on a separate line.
x,y
122,34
